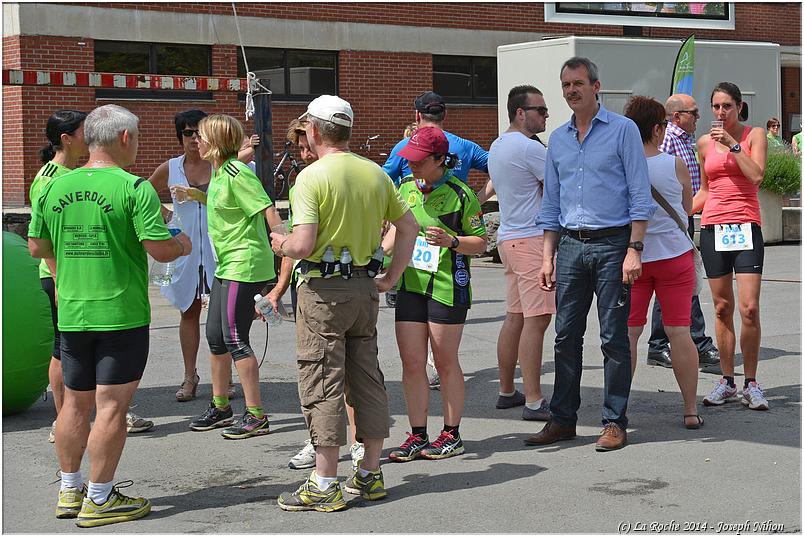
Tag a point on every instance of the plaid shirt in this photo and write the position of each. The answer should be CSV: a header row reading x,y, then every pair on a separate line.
x,y
680,143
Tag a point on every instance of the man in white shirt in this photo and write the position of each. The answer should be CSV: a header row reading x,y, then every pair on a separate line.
x,y
516,170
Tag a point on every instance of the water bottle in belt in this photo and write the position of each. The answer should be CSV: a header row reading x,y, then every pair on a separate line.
x,y
328,263
375,265
346,263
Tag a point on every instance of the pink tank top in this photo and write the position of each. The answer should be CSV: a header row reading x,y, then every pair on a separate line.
x,y
732,198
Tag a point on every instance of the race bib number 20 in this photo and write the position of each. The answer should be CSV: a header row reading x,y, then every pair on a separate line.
x,y
733,237
425,256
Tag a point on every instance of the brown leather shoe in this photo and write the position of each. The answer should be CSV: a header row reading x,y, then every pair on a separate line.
x,y
613,437
552,432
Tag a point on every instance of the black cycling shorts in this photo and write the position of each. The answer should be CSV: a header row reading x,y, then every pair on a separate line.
x,y
719,264
417,308
49,287
231,312
89,359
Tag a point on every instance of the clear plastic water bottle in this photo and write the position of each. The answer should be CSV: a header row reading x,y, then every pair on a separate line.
x,y
328,262
161,274
346,263
272,318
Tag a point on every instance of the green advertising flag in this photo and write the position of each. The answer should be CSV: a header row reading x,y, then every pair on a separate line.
x,y
684,69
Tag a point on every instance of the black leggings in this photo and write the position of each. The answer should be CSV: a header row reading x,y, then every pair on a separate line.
x,y
49,287
231,312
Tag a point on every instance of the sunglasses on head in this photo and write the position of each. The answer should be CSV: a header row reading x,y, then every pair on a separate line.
x,y
542,110
188,133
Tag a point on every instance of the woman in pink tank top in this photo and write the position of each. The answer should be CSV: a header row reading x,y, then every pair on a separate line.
x,y
732,167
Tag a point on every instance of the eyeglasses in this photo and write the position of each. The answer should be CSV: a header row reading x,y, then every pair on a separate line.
x,y
693,113
542,110
188,133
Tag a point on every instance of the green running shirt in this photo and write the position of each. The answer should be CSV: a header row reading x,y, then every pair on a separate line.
x,y
46,174
236,201
454,207
96,219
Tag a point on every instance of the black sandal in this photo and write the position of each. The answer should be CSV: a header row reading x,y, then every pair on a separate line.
x,y
694,425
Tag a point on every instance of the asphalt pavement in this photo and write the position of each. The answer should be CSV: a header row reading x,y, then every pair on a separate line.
x,y
740,473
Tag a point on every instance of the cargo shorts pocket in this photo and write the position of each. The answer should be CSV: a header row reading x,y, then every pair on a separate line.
x,y
310,362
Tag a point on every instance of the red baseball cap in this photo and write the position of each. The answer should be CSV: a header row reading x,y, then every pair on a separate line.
x,y
425,141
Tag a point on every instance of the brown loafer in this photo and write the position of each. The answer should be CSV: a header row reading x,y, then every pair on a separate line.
x,y
552,432
613,437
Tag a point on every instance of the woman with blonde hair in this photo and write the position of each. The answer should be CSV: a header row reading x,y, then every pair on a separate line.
x,y
236,205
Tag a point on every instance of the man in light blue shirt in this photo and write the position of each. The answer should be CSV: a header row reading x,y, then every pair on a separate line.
x,y
431,111
596,207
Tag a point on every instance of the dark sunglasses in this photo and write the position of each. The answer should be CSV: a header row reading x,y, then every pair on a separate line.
x,y
693,113
188,133
542,110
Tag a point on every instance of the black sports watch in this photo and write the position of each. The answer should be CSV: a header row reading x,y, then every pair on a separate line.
x,y
735,148
636,245
455,243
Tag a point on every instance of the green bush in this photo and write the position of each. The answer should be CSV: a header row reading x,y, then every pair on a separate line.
x,y
782,173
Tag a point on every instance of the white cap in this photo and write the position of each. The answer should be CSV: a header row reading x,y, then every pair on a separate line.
x,y
257,297
326,106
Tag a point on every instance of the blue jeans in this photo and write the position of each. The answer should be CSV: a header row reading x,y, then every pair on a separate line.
x,y
583,268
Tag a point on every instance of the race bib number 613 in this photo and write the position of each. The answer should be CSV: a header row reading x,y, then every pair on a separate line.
x,y
733,237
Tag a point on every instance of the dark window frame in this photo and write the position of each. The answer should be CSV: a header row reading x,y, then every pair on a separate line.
x,y
473,99
291,97
133,94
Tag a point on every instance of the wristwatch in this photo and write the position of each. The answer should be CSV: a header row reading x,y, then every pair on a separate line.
x,y
735,148
636,245
455,243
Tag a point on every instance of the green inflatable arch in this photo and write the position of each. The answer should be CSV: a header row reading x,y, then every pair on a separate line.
x,y
27,327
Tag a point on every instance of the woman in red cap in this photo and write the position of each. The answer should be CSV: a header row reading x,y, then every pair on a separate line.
x,y
434,292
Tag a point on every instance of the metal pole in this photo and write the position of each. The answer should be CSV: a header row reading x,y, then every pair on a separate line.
x,y
264,154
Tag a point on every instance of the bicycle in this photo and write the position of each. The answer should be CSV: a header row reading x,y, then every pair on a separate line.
x,y
284,175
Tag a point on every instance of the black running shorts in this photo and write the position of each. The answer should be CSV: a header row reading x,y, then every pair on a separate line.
x,y
89,359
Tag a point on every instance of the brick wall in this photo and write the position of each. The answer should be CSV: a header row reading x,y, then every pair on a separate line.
x,y
758,21
791,99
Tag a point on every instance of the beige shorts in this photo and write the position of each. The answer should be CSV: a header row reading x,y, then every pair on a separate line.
x,y
336,339
522,259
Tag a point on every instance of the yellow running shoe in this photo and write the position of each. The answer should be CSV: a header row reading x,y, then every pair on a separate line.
x,y
117,508
70,500
370,487
309,497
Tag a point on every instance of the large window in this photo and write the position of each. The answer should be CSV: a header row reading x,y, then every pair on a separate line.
x,y
465,79
293,74
152,58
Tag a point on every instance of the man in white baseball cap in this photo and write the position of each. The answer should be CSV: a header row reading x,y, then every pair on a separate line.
x,y
330,108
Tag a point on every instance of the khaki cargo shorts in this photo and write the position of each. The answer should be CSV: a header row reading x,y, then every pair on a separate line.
x,y
336,340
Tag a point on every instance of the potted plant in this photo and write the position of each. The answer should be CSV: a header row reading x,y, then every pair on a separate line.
x,y
782,177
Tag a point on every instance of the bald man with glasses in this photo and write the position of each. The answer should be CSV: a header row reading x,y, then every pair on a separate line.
x,y
679,140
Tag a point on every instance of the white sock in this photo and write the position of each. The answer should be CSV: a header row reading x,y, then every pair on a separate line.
x,y
71,480
364,472
324,482
508,394
536,405
99,492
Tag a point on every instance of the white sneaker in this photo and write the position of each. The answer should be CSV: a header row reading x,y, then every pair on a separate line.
x,y
433,379
136,424
305,458
51,437
753,397
358,451
722,393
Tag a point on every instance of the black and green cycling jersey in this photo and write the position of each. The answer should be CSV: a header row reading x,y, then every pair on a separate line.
x,y
454,207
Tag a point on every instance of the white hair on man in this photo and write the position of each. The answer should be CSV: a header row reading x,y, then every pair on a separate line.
x,y
104,124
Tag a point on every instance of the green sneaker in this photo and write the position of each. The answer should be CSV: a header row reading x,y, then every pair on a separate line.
x,y
70,500
370,487
117,508
309,497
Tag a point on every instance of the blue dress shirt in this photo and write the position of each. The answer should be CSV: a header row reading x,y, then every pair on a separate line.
x,y
470,155
600,183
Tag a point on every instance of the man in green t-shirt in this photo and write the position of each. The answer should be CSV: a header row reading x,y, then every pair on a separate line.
x,y
98,222
340,202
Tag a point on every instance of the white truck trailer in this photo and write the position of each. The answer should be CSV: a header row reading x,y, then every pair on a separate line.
x,y
644,67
